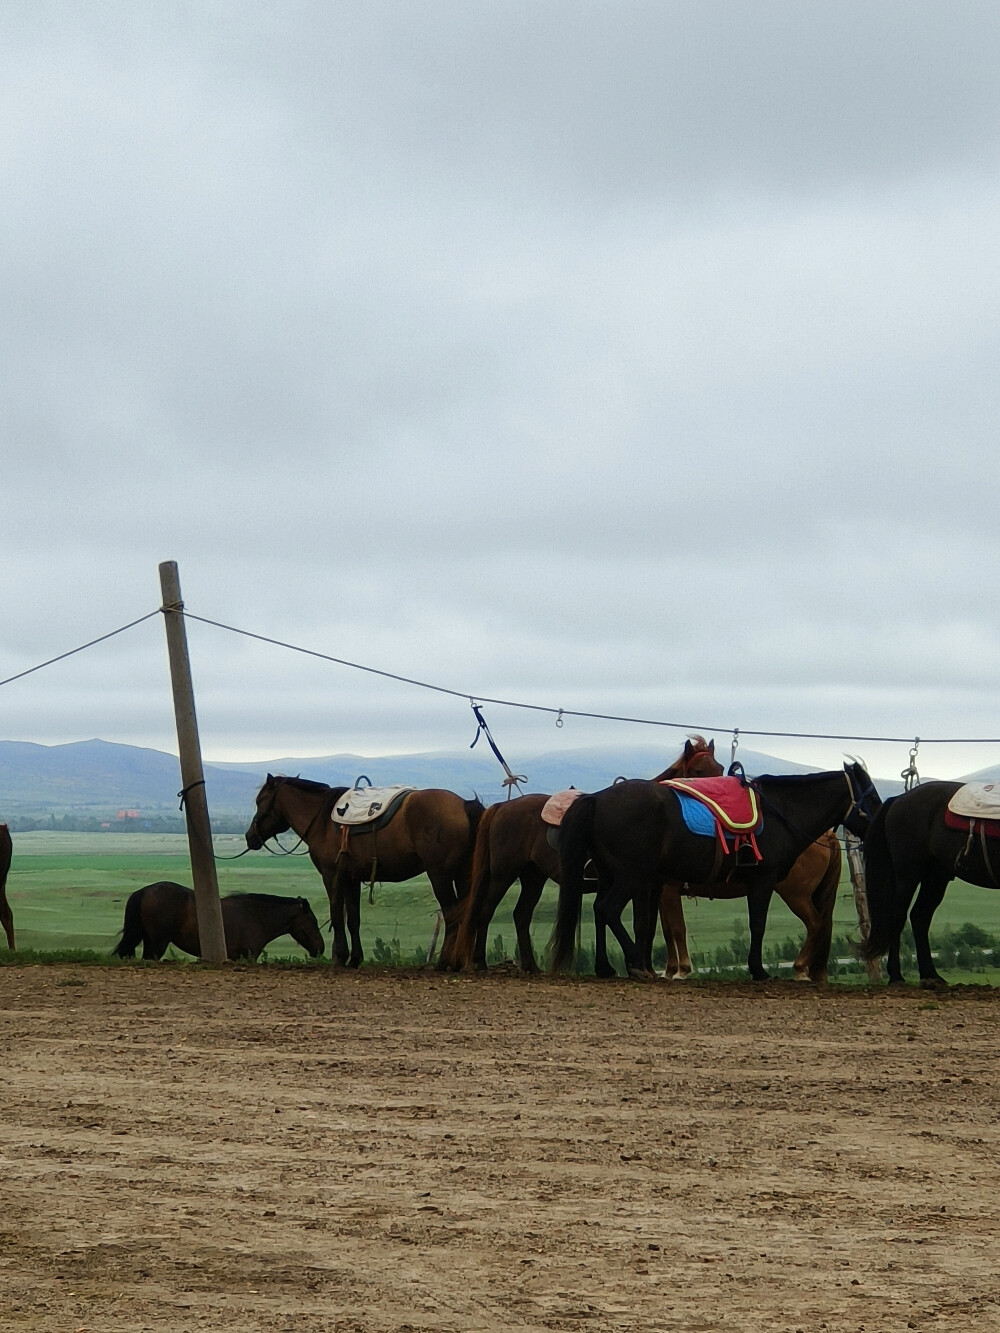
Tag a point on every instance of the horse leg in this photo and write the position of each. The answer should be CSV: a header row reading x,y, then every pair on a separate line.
x,y
602,963
758,901
532,883
644,914
332,882
154,947
444,892
932,889
809,965
7,920
352,913
907,880
674,932
497,891
608,907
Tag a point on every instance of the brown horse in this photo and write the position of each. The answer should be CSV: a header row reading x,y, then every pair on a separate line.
x,y
809,889
164,913
6,915
512,843
432,832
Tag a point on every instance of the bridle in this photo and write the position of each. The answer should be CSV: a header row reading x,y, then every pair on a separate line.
x,y
283,851
858,798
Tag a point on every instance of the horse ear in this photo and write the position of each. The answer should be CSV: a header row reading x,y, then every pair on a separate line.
x,y
688,749
711,748
270,777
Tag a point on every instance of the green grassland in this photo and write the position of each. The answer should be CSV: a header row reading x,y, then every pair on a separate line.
x,y
68,892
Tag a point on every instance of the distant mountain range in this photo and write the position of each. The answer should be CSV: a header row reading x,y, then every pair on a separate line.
x,y
100,778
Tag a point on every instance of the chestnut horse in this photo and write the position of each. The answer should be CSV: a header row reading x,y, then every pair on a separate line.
x,y
432,832
164,913
6,915
809,889
512,843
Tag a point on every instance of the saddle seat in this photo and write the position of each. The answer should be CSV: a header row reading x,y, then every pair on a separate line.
x,y
975,808
725,807
368,806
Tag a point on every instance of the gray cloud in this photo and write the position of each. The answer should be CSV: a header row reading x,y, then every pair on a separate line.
x,y
635,358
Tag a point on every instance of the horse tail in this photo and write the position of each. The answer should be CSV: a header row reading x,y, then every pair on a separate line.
x,y
575,837
131,928
880,889
479,883
474,813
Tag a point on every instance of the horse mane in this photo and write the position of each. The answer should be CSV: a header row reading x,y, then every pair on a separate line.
x,y
792,779
303,784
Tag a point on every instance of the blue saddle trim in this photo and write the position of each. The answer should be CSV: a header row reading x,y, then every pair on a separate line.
x,y
697,816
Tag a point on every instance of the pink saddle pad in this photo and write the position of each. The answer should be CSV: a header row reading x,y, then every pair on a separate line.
x,y
556,806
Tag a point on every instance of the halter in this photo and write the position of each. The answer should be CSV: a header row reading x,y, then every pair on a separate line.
x,y
689,759
284,851
857,800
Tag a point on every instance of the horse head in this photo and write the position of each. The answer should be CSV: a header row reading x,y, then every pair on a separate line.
x,y
304,928
698,759
269,820
865,800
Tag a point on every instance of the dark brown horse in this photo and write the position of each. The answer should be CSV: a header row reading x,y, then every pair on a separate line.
x,y
910,847
6,915
513,843
809,889
432,832
636,835
164,913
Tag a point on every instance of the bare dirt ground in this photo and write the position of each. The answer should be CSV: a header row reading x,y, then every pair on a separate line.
x,y
302,1150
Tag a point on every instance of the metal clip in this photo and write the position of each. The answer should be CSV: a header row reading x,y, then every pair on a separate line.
x,y
910,776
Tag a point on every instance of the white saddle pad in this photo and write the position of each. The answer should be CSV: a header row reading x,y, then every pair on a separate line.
x,y
977,800
360,805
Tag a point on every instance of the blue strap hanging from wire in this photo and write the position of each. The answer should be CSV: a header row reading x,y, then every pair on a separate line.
x,y
512,780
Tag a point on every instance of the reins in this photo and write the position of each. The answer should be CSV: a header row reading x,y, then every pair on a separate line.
x,y
856,803
283,851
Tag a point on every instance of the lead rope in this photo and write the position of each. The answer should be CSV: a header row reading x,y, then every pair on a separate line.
x,y
512,779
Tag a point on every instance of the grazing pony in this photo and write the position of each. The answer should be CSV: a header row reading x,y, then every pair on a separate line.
x,y
164,913
432,832
911,847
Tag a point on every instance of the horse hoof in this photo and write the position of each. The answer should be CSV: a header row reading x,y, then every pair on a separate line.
x,y
760,976
640,974
680,976
933,983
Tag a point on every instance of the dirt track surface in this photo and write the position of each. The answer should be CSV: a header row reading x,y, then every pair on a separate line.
x,y
255,1149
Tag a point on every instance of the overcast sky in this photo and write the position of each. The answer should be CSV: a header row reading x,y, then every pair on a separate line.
x,y
636,358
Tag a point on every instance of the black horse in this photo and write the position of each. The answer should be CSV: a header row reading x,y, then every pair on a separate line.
x,y
164,913
910,846
637,838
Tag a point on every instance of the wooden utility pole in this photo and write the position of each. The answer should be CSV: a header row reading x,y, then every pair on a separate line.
x,y
211,931
856,866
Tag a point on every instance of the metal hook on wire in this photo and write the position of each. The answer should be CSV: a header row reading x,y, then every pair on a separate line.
x,y
910,776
